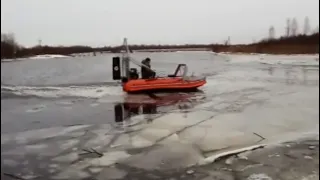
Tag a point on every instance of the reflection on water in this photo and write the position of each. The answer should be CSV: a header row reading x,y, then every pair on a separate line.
x,y
154,104
299,76
124,111
294,75
291,77
270,70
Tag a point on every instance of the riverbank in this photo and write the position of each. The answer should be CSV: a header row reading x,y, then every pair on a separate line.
x,y
302,44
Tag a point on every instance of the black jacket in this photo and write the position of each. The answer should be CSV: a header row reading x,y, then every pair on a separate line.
x,y
146,73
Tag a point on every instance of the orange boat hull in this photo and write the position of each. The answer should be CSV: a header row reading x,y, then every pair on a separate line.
x,y
157,84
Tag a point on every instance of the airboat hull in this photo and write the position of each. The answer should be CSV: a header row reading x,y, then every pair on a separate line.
x,y
162,84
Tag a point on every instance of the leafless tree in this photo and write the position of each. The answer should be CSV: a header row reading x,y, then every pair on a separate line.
x,y
306,28
254,40
271,32
8,38
294,27
39,42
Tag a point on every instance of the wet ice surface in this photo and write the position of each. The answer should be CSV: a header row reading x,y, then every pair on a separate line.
x,y
74,132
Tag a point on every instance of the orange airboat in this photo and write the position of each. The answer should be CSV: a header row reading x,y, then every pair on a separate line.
x,y
131,83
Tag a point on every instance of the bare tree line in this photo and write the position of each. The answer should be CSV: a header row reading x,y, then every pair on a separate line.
x,y
292,28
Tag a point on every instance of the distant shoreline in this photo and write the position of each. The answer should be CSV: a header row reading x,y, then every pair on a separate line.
x,y
57,56
301,44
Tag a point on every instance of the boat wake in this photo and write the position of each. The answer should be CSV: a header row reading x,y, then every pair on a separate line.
x,y
97,90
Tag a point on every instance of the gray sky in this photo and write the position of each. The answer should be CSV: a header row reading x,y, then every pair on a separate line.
x,y
106,22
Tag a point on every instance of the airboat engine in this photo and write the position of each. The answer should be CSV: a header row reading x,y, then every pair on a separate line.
x,y
133,73
126,75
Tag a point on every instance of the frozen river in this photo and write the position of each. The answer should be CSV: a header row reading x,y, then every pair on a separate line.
x,y
53,110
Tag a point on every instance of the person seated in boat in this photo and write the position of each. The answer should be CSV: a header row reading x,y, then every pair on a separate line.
x,y
145,72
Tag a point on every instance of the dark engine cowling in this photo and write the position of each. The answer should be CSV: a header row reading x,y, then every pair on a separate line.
x,y
116,69
133,73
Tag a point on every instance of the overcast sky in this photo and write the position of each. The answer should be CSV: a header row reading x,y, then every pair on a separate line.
x,y
106,22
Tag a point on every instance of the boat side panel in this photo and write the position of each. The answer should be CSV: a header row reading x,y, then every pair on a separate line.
x,y
161,84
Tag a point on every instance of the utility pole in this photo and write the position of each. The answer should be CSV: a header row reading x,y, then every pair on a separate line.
x,y
288,27
294,27
39,46
227,42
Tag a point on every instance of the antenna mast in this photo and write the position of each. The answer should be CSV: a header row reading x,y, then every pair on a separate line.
x,y
125,58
